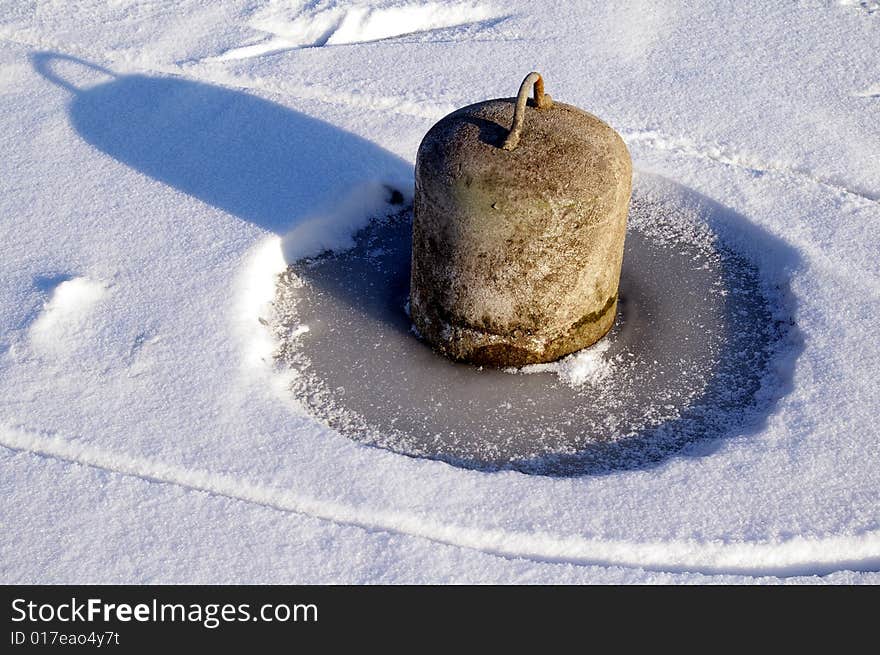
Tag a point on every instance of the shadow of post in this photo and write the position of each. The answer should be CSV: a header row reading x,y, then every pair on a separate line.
x,y
255,159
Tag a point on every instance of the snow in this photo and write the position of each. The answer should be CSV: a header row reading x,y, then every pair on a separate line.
x,y
164,161
587,366
333,227
341,23
58,328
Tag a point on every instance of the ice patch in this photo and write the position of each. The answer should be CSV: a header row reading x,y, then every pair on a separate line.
x,y
655,384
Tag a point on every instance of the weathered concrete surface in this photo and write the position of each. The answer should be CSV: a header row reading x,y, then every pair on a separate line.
x,y
517,253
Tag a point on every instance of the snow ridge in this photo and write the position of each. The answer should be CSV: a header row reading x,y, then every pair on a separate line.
x,y
64,315
348,23
792,557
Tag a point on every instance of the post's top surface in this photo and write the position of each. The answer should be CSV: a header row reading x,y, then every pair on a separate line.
x,y
559,148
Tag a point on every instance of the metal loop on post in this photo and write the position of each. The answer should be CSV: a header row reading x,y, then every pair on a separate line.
x,y
542,101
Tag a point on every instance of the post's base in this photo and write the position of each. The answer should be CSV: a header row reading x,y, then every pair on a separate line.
x,y
465,343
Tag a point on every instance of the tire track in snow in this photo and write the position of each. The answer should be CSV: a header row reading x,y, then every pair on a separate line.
x,y
726,155
685,147
796,556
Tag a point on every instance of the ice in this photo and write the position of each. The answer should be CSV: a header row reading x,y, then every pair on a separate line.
x,y
699,350
164,162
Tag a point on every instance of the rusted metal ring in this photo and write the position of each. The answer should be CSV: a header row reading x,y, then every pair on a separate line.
x,y
542,101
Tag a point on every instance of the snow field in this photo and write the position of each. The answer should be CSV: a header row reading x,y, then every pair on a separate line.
x,y
146,212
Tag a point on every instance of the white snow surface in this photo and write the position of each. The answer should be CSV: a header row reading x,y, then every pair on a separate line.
x,y
163,160
586,366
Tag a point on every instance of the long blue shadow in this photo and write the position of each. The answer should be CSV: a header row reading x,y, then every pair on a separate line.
x,y
256,159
